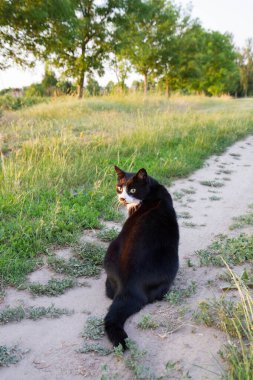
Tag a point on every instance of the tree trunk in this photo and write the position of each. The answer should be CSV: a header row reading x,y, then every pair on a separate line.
x,y
145,83
167,88
80,85
82,72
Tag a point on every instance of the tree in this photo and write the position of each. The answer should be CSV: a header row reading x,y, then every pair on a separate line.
x,y
72,34
246,68
179,58
142,31
121,67
49,79
92,86
219,66
25,26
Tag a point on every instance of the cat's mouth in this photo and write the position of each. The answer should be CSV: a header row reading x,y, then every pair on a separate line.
x,y
123,202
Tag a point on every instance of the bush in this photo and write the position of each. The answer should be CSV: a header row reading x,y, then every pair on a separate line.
x,y
9,102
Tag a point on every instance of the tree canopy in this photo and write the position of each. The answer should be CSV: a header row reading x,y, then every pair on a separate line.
x,y
156,38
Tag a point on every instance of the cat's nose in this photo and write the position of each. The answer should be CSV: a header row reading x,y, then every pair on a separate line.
x,y
122,200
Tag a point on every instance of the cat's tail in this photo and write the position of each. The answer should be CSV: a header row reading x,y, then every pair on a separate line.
x,y
122,307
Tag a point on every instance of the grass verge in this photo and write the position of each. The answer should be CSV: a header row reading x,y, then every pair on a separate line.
x,y
59,177
236,319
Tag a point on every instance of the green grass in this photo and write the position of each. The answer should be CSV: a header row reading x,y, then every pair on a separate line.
x,y
234,318
54,287
134,362
147,322
108,234
177,296
243,220
59,177
18,313
94,328
235,250
87,262
96,348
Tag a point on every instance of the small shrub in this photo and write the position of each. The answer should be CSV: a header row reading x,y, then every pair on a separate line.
x,y
176,296
10,355
212,183
94,328
94,347
18,313
107,235
236,250
147,323
54,287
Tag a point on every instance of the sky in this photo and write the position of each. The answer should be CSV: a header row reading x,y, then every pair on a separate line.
x,y
233,16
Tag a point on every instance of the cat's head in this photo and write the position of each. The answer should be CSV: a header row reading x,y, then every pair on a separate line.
x,y
132,188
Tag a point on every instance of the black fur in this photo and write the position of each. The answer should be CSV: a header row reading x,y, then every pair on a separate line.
x,y
142,262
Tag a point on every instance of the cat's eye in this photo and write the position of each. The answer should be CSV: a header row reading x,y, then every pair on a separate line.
x,y
120,189
132,191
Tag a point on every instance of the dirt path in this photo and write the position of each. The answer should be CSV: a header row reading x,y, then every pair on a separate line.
x,y
205,210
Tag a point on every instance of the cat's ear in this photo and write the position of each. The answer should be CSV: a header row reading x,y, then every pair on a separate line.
x,y
120,172
142,174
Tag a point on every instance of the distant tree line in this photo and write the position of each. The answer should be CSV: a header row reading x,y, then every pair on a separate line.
x,y
157,38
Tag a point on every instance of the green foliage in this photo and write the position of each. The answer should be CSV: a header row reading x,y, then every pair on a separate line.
x,y
18,313
53,288
158,38
134,362
94,347
147,322
10,102
212,183
92,86
88,261
242,221
108,234
236,250
177,296
144,25
246,68
94,328
9,355
221,313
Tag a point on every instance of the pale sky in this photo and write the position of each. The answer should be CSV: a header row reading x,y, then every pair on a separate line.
x,y
233,16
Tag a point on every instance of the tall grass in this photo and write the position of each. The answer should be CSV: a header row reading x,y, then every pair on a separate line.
x,y
239,354
58,176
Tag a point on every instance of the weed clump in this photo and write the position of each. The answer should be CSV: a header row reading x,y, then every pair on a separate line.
x,y
87,261
54,287
10,355
94,328
108,234
18,313
212,183
94,347
176,296
234,251
147,322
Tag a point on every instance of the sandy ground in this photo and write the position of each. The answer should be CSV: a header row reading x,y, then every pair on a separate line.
x,y
193,349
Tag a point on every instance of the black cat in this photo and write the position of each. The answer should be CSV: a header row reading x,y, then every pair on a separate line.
x,y
142,262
